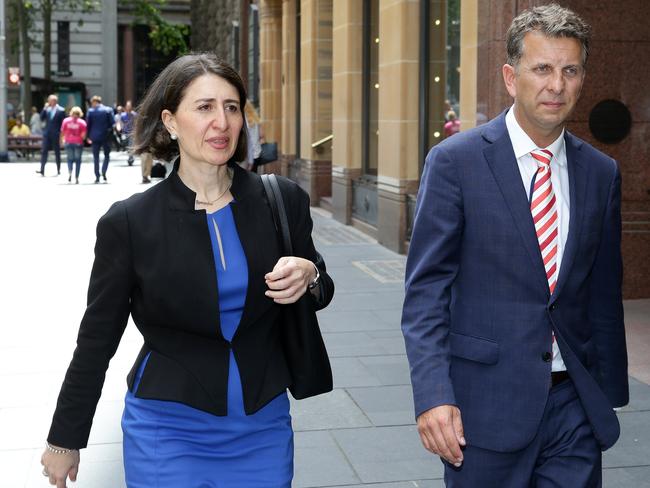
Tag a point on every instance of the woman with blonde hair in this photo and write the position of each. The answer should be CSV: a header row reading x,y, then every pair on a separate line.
x,y
73,133
255,135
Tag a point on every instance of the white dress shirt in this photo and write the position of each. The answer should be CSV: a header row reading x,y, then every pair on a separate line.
x,y
522,145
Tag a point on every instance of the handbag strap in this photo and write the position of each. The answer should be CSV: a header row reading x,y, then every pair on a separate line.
x,y
272,189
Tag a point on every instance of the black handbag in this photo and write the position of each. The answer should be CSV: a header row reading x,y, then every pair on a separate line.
x,y
268,154
304,348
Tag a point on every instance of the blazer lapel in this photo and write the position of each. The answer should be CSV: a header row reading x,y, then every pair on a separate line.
x,y
503,164
254,224
193,248
578,172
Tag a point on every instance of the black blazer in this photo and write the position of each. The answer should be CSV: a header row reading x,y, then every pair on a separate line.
x,y
154,260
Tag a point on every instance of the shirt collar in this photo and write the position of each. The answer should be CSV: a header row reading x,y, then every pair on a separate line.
x,y
522,144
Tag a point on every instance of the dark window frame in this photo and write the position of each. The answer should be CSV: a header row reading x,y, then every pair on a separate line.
x,y
63,46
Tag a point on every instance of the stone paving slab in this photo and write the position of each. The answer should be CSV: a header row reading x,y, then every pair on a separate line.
x,y
632,447
636,477
385,405
334,410
383,454
363,343
336,320
319,461
436,483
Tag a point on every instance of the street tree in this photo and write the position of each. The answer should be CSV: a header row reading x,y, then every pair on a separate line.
x,y
165,36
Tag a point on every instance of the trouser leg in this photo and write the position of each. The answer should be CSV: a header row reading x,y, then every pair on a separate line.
x,y
57,153
79,153
146,162
96,146
70,153
44,150
107,156
571,456
563,454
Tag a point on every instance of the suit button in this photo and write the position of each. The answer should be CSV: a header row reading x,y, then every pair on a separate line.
x,y
552,307
547,356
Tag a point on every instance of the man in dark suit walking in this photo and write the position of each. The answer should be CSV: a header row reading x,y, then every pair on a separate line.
x,y
100,122
513,316
53,115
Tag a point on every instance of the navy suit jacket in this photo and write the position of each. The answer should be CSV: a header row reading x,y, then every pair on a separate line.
x,y
53,125
100,120
478,314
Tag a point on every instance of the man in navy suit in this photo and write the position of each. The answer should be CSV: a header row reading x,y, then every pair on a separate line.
x,y
513,317
100,122
53,115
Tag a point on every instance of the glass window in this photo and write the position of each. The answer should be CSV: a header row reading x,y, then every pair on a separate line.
x,y
440,73
63,47
370,85
253,55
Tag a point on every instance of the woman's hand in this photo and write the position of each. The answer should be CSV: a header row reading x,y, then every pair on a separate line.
x,y
58,467
289,279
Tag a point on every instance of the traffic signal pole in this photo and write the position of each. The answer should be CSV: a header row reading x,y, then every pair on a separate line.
x,y
4,155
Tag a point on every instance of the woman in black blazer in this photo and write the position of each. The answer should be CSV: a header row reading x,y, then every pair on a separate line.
x,y
197,262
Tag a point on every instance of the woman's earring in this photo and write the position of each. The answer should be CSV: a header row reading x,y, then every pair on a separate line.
x,y
173,136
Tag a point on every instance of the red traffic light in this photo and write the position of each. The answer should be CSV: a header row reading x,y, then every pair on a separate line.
x,y
14,76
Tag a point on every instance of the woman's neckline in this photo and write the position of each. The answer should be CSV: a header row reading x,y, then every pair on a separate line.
x,y
220,209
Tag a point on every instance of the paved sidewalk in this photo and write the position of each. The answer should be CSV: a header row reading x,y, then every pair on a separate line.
x,y
361,434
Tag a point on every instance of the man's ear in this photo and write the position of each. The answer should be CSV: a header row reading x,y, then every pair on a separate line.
x,y
509,76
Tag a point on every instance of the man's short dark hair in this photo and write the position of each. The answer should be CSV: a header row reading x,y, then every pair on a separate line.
x,y
550,20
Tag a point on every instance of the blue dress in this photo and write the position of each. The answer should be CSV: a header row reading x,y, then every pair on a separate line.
x,y
172,445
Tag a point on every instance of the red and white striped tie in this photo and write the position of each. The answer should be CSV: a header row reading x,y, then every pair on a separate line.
x,y
544,212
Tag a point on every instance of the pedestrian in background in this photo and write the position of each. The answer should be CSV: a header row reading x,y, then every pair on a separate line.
x,y
19,128
146,164
513,315
52,116
35,123
255,135
127,120
100,120
452,126
196,261
73,134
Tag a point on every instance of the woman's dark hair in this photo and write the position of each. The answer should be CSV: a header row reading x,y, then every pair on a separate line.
x,y
149,134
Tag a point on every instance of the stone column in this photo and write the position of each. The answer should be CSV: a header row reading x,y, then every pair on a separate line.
x,y
128,76
315,165
109,52
271,68
347,104
288,80
398,171
468,62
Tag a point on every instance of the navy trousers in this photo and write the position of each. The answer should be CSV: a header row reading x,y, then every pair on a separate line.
x,y
51,141
97,146
563,454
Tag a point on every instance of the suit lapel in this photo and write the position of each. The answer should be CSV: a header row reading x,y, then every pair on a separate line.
x,y
578,172
503,164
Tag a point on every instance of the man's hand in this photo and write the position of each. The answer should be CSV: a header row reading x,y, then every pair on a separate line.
x,y
441,432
